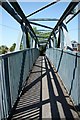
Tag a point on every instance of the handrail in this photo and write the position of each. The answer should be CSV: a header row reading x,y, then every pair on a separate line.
x,y
14,70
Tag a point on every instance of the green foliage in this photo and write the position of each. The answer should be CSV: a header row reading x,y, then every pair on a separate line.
x,y
21,47
43,35
12,48
35,30
3,49
42,49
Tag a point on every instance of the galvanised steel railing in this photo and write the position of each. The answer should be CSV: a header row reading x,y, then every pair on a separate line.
x,y
14,69
67,64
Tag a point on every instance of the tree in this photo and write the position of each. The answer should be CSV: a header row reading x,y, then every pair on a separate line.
x,y
41,35
12,48
3,49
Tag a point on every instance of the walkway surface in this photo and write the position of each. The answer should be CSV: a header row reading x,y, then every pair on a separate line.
x,y
44,96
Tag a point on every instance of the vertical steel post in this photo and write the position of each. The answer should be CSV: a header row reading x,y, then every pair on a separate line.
x,y
61,38
55,40
79,30
24,40
50,43
7,83
27,40
35,44
23,36
58,45
31,42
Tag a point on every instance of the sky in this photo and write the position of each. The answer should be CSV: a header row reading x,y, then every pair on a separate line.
x,y
10,30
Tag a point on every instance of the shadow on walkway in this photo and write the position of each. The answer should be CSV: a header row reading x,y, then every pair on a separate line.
x,y
44,96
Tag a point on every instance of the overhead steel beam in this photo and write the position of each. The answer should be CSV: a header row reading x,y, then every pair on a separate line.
x,y
43,42
68,10
43,19
42,8
73,16
41,25
71,6
41,37
44,30
22,15
17,8
11,11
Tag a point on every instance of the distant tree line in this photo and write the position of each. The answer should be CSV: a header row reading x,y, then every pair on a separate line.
x,y
4,49
42,36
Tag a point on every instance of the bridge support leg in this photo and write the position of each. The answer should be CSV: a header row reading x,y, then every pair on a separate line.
x,y
31,42
55,40
25,37
23,40
61,38
27,40
50,43
79,31
35,44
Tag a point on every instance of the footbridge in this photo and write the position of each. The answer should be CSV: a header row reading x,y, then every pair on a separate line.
x,y
41,80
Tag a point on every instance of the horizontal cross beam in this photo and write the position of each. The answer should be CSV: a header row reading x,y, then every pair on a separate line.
x,y
41,25
42,8
66,13
68,10
43,19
